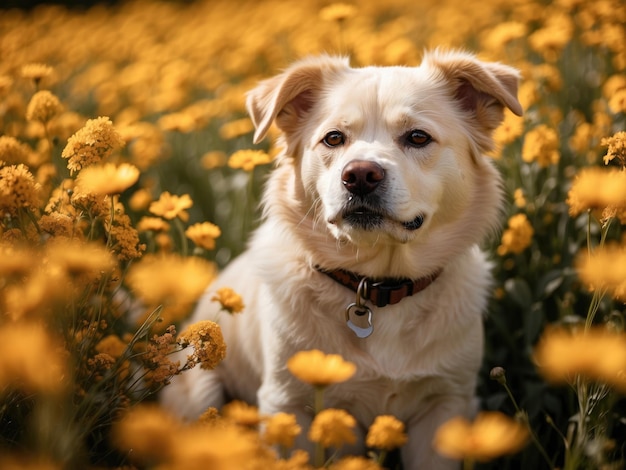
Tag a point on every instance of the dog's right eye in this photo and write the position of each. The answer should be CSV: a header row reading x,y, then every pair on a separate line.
x,y
334,139
417,138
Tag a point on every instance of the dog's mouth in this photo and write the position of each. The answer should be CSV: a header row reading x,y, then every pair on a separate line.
x,y
366,218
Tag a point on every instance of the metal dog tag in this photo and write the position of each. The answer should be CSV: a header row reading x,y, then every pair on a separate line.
x,y
359,310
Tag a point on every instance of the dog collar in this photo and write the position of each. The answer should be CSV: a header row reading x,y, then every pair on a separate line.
x,y
381,292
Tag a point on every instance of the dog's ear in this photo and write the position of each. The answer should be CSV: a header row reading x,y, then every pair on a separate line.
x,y
483,88
288,97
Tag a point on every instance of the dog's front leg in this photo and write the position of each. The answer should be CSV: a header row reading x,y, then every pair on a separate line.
x,y
418,453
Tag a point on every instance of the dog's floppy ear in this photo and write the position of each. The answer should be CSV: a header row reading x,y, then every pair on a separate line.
x,y
483,88
287,97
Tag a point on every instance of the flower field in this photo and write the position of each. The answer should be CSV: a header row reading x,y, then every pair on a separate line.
x,y
128,178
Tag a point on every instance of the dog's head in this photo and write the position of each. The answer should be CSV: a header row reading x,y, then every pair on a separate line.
x,y
391,155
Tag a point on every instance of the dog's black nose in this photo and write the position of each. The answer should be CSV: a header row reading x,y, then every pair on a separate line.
x,y
361,177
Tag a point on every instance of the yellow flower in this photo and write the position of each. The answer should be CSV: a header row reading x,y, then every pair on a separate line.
x,y
596,189
107,179
617,102
230,300
510,129
241,413
78,259
319,369
124,238
170,279
171,206
213,159
95,142
517,237
281,429
503,33
181,122
226,447
386,432
355,463
140,200
36,72
30,359
298,460
203,234
604,268
111,345
149,431
333,428
541,144
154,224
491,435
596,354
12,151
237,128
18,189
519,198
616,148
248,159
205,337
43,106
210,417
17,261
553,37
338,12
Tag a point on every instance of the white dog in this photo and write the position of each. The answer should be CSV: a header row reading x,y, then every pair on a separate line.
x,y
383,188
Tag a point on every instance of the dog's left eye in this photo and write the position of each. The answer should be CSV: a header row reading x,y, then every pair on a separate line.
x,y
417,138
334,138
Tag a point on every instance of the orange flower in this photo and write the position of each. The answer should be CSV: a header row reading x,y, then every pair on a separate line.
x,y
604,268
596,354
43,106
319,369
338,12
95,142
204,234
248,159
171,206
170,279
491,435
333,428
230,300
242,413
208,344
281,429
107,179
597,188
386,432
30,359
517,237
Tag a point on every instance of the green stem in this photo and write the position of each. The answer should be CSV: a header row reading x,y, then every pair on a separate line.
x,y
524,417
468,464
180,228
318,405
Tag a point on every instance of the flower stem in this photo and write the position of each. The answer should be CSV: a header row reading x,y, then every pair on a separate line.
x,y
318,405
184,248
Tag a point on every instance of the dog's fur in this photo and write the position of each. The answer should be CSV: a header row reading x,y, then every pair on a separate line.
x,y
421,362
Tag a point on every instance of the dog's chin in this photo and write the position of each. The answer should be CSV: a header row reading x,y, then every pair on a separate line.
x,y
366,225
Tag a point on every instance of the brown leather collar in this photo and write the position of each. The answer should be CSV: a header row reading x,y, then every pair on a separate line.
x,y
381,292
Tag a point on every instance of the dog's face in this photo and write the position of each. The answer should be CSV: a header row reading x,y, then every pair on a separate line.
x,y
387,154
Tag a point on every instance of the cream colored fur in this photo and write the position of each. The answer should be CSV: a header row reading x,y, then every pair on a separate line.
x,y
421,362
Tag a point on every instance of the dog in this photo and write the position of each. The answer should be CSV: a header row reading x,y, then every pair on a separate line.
x,y
369,246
